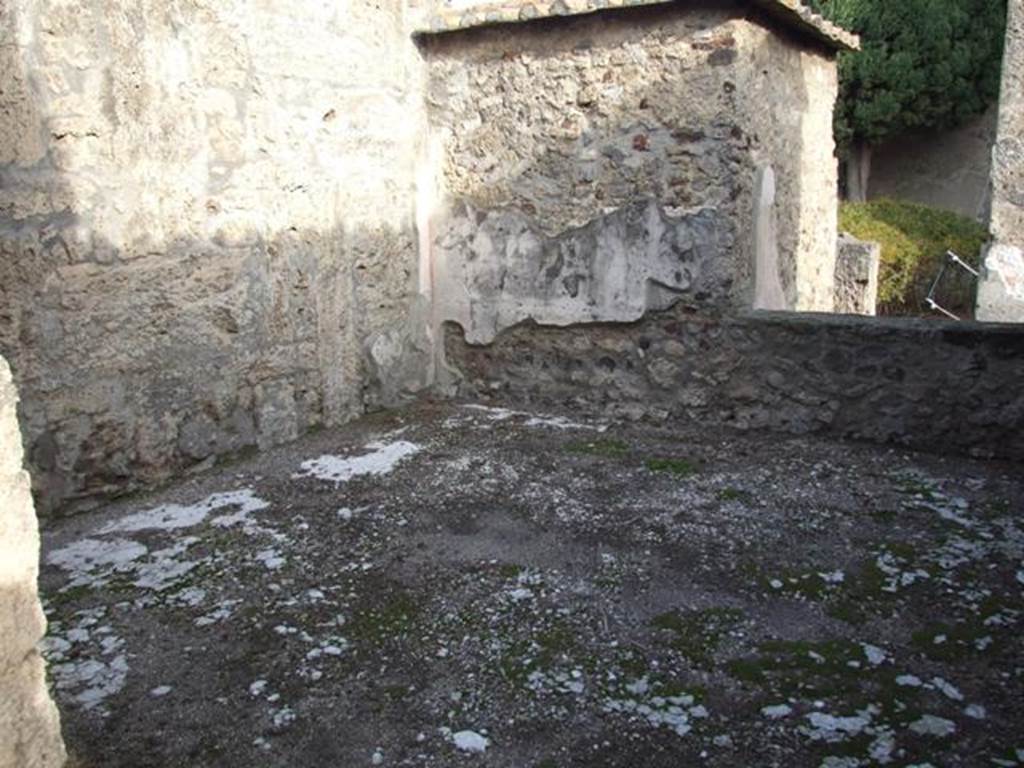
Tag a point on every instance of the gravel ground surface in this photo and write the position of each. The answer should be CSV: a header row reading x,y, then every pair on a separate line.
x,y
454,585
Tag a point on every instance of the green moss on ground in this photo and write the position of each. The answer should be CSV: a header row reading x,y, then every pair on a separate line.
x,y
677,467
696,635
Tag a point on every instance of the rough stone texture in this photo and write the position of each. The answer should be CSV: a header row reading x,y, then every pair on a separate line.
x,y
29,723
857,264
462,14
939,386
949,170
1001,291
207,235
559,125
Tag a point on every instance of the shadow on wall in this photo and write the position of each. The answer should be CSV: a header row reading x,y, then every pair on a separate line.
x,y
141,358
604,166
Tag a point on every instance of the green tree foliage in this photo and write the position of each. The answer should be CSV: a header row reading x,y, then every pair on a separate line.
x,y
924,64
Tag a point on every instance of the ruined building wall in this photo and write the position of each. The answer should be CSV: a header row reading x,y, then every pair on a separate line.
x,y
207,235
1001,291
933,385
596,168
29,723
944,169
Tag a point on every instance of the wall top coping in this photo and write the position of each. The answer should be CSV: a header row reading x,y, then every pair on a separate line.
x,y
949,330
792,13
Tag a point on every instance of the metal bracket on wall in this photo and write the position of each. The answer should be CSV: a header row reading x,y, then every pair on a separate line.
x,y
952,260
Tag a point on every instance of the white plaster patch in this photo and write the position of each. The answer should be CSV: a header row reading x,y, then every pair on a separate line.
x,y
976,712
829,728
949,690
271,559
89,555
930,725
874,654
339,469
171,517
470,741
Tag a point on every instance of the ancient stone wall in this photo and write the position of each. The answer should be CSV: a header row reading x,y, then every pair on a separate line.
x,y
1001,291
948,170
598,167
207,228
927,384
29,723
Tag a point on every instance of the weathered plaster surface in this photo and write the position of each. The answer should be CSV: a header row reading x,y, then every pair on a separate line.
x,y
207,236
569,127
29,723
934,385
1001,291
949,169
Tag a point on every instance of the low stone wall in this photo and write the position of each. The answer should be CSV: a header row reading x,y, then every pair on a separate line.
x,y
857,264
29,724
932,385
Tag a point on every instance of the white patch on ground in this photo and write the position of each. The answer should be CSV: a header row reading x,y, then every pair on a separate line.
x,y
976,712
831,729
84,663
494,414
84,558
949,690
882,747
777,711
1020,577
559,422
470,741
340,469
530,420
836,577
160,691
874,654
673,712
930,725
171,517
271,559
898,578
190,596
841,762
282,717
909,681
165,570
220,613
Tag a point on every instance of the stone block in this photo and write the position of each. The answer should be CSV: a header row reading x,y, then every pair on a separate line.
x,y
857,265
1001,289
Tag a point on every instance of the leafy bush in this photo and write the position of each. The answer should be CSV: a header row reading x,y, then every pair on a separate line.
x,y
914,241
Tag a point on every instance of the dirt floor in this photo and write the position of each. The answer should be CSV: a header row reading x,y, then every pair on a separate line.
x,y
455,585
